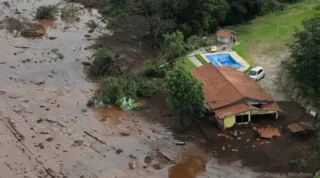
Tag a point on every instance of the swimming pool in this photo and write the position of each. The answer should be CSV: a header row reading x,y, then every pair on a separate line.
x,y
223,60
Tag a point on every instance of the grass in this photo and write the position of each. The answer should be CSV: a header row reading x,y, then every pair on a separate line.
x,y
269,34
201,59
185,61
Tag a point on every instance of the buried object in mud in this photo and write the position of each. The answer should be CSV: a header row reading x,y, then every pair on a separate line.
x,y
301,127
267,132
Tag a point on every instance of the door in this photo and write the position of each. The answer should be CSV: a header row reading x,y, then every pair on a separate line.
x,y
260,74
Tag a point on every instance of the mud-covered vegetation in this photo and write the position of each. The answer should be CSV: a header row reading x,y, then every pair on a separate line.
x,y
69,13
47,12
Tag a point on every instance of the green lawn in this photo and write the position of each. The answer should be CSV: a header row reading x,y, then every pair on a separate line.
x,y
184,61
201,59
271,33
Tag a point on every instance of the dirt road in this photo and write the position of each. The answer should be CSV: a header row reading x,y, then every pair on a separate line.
x,y
46,130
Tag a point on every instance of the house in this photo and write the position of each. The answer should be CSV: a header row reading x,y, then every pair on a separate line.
x,y
225,36
232,96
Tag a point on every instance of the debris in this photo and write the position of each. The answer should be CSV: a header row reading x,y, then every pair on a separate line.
x,y
40,145
132,165
301,127
97,139
12,67
156,166
223,148
124,134
119,150
147,159
235,150
267,132
84,110
77,143
52,38
228,146
49,139
2,92
23,47
180,143
54,50
132,156
32,32
239,138
86,63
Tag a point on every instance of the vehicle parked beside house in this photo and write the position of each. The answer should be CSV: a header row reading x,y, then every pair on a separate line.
x,y
257,73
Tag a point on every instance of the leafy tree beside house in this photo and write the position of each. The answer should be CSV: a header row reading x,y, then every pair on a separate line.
x,y
185,93
306,52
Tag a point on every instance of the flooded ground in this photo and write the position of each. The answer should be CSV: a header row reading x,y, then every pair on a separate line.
x,y
46,129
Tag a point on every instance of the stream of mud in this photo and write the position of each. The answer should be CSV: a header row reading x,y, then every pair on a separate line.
x,y
46,129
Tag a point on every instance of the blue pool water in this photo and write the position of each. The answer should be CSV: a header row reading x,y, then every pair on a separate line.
x,y
223,60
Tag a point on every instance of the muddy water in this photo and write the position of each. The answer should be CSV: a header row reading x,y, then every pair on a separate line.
x,y
46,130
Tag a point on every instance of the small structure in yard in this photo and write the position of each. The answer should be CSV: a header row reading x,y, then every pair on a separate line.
x,y
233,96
226,36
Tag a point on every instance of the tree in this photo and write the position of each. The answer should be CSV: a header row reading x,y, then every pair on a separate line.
x,y
185,92
173,45
306,52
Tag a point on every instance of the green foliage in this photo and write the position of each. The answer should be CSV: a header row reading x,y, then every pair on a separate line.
x,y
155,68
46,12
298,163
201,59
196,42
317,175
69,14
113,89
104,62
184,92
186,63
173,45
306,51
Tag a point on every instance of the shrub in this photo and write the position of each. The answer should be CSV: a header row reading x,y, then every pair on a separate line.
x,y
317,175
155,68
104,62
132,87
46,12
298,163
69,13
201,59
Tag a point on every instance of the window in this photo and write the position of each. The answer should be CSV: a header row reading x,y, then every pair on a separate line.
x,y
242,118
259,72
252,73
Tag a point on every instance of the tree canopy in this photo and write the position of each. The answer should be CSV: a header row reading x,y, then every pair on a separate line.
x,y
306,52
184,92
194,17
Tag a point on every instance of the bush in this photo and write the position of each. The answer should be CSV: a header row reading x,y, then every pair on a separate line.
x,y
103,63
298,163
317,175
155,68
69,14
201,59
46,12
132,87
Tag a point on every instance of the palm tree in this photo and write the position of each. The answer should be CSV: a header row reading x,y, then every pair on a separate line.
x,y
103,63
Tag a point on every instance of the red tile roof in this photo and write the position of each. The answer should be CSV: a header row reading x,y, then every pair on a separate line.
x,y
225,88
224,33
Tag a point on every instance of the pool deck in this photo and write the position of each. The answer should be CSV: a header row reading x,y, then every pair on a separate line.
x,y
235,56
